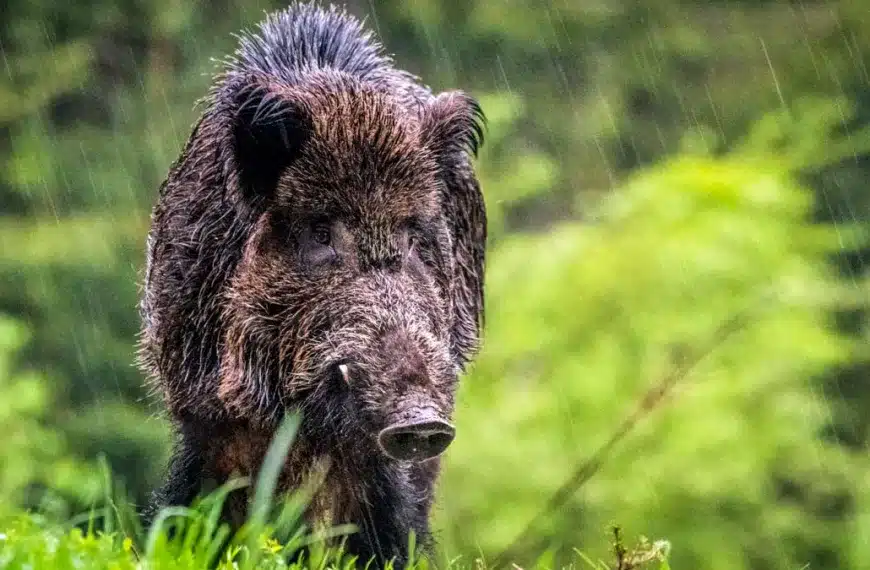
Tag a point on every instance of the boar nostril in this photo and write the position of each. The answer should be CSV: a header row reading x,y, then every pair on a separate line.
x,y
417,441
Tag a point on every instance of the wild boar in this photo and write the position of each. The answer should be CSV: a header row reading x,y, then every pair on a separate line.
x,y
319,246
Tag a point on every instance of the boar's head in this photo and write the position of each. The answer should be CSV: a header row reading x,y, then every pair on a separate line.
x,y
357,294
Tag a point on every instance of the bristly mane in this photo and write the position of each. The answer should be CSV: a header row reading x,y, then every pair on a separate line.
x,y
303,37
306,37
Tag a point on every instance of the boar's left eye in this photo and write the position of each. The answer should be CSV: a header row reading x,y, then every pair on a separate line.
x,y
321,234
417,241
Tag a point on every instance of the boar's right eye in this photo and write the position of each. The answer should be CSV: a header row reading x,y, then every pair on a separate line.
x,y
317,244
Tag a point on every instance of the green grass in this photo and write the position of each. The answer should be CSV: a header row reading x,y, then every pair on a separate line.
x,y
30,542
111,537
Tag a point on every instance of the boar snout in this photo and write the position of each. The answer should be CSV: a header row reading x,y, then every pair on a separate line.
x,y
401,387
418,439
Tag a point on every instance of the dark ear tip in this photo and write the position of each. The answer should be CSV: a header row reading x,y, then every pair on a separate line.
x,y
478,123
456,120
261,106
271,124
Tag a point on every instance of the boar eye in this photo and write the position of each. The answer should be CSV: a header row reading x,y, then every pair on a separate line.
x,y
318,243
320,234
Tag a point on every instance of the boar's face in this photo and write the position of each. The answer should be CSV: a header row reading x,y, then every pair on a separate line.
x,y
343,304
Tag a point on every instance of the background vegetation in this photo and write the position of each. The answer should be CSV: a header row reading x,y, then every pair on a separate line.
x,y
655,170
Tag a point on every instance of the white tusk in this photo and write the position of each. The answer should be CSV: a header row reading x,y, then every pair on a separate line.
x,y
344,373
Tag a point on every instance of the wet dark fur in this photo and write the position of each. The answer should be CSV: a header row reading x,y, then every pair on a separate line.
x,y
246,312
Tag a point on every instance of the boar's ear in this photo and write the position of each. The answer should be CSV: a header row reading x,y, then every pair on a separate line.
x,y
453,124
271,126
453,129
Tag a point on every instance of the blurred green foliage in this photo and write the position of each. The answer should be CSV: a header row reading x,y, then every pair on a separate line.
x,y
36,466
588,317
651,169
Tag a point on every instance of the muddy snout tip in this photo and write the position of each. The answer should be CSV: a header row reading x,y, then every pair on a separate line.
x,y
416,441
